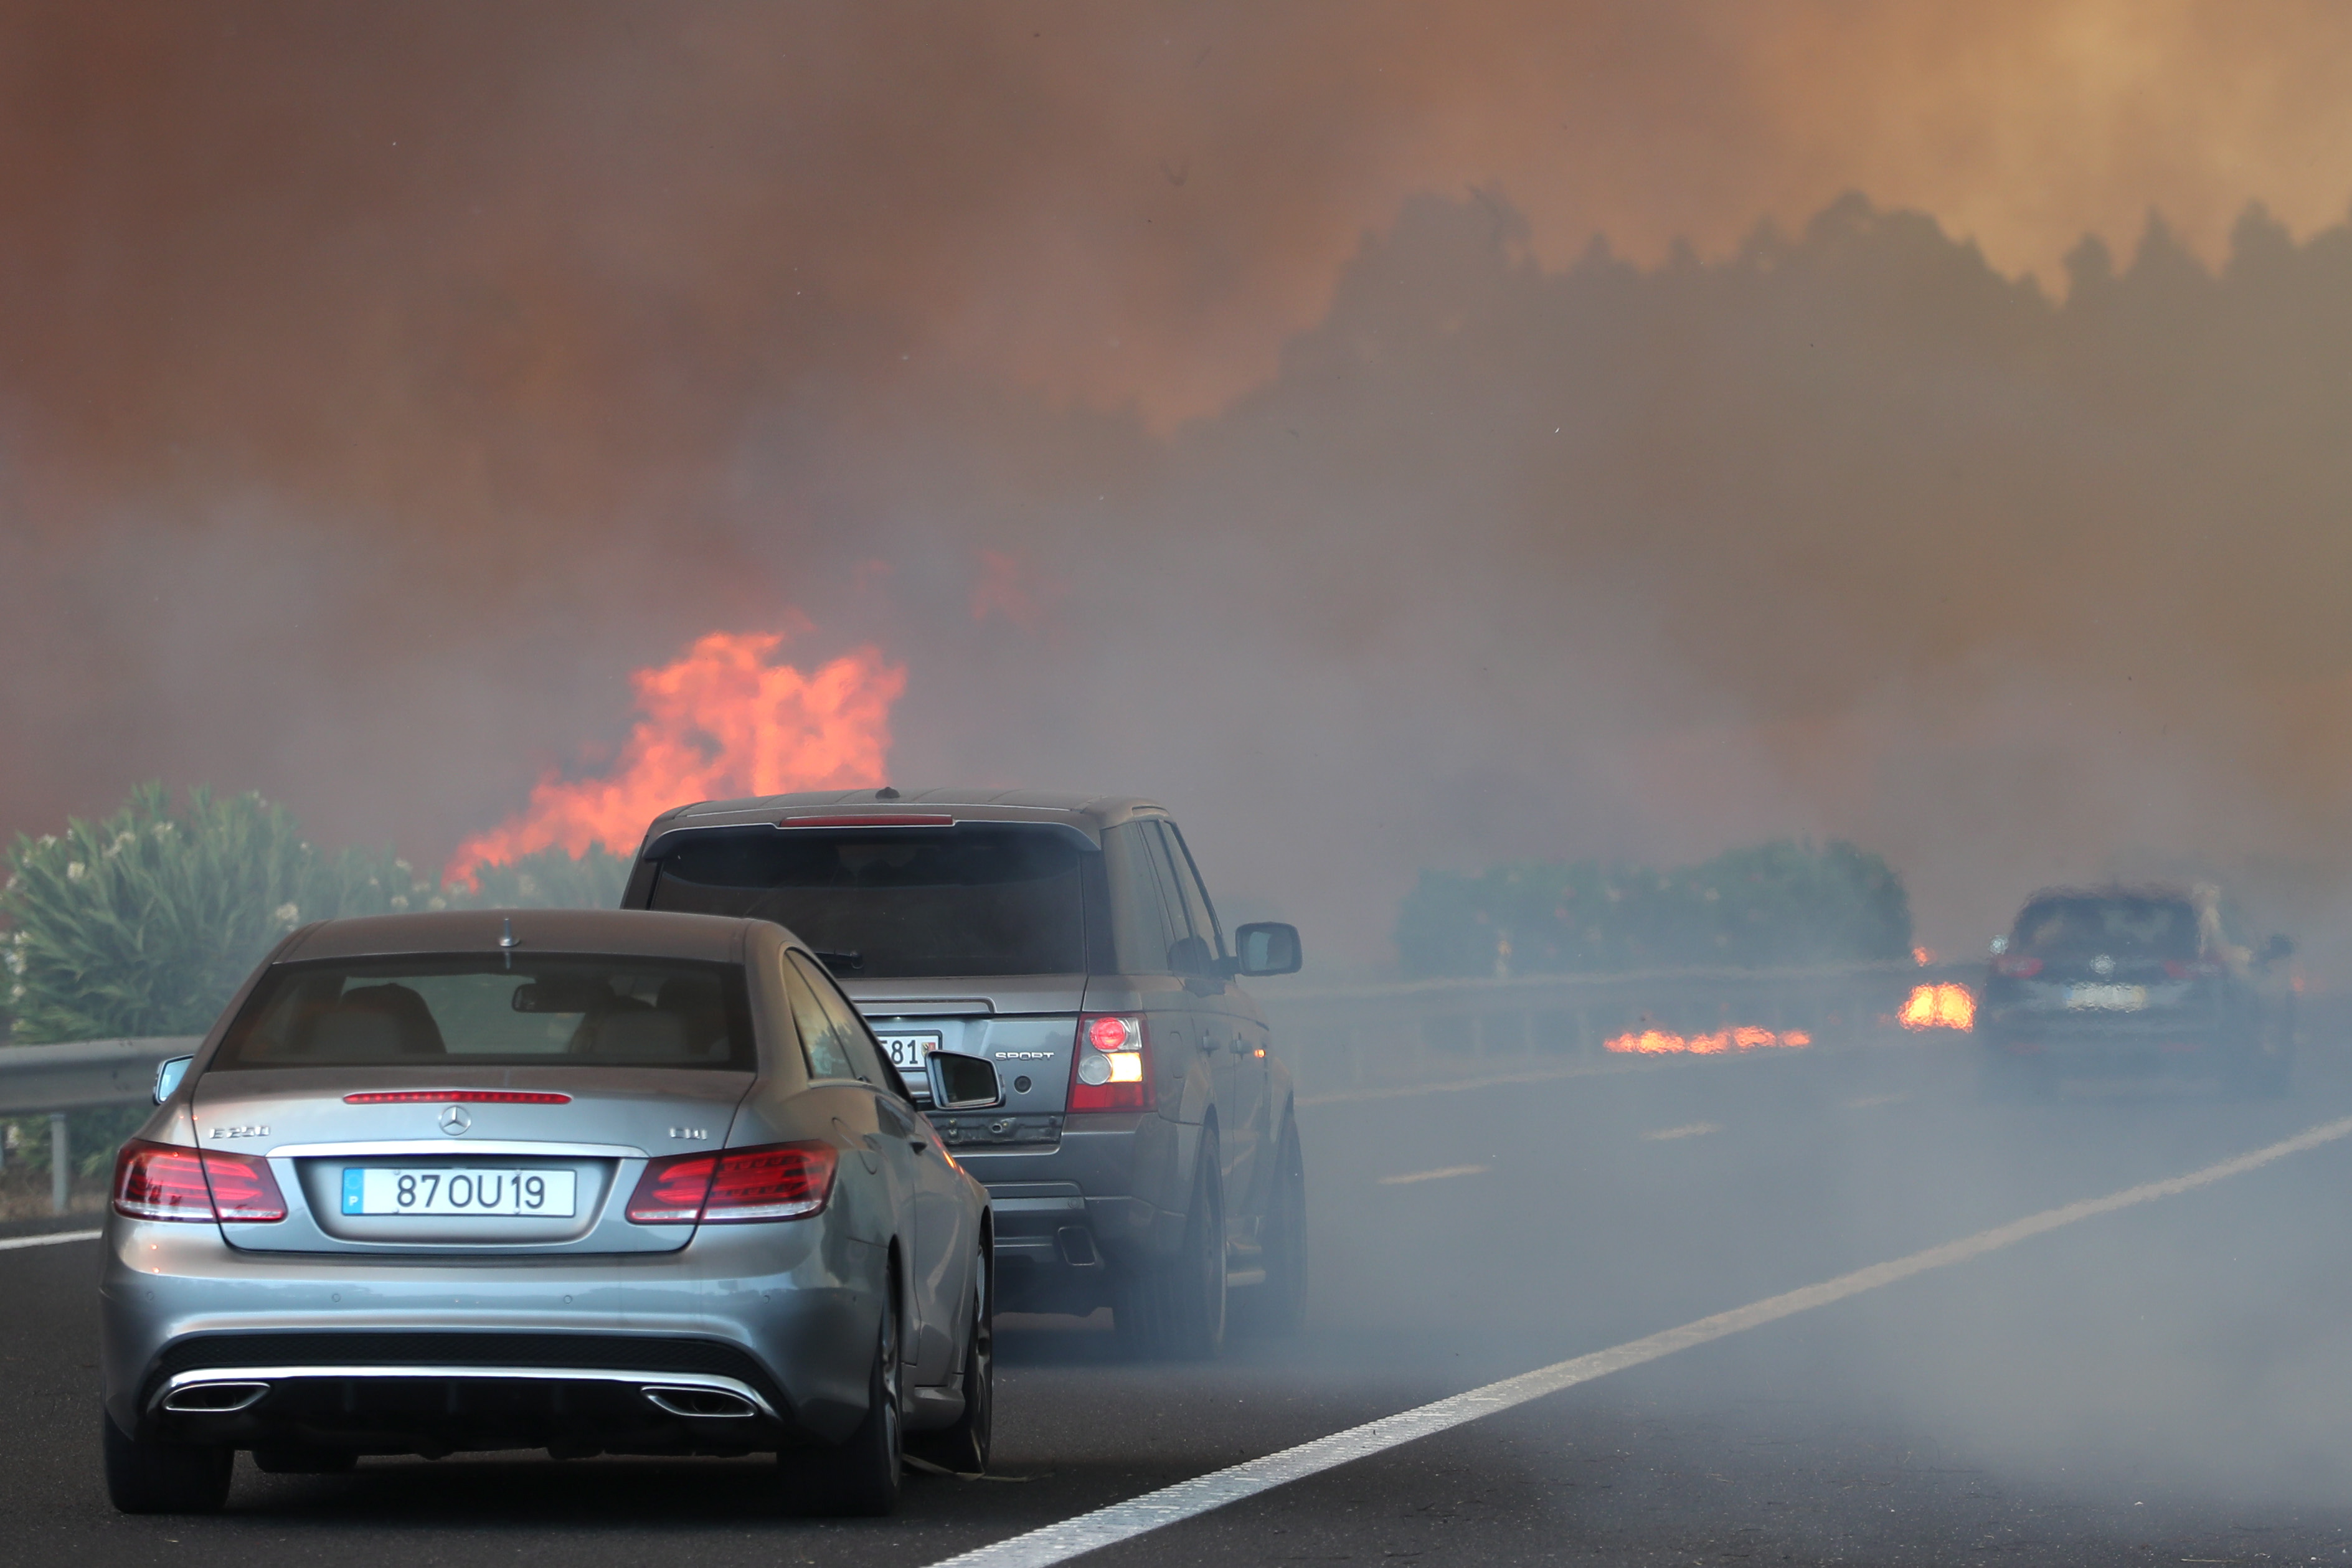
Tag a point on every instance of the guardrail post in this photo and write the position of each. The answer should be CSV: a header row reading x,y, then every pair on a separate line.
x,y
60,1164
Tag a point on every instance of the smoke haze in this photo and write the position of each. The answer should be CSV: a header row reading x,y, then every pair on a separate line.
x,y
1231,406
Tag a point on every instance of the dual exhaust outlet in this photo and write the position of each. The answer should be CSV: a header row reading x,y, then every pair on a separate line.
x,y
228,1396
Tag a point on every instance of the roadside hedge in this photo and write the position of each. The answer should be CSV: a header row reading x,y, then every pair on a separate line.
x,y
1788,902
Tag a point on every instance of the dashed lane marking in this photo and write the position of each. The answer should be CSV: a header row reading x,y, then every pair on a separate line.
x,y
1690,1130
1085,1532
1873,1101
1436,1176
51,1239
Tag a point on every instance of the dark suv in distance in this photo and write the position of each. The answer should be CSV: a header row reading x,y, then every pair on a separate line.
x,y
2145,981
1146,1156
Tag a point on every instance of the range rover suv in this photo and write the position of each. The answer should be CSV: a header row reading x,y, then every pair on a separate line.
x,y
2140,981
1146,1155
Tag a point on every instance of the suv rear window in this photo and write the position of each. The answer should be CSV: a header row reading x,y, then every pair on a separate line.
x,y
483,1009
975,898
2086,927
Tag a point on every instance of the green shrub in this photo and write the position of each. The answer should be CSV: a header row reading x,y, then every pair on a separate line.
x,y
1777,904
144,923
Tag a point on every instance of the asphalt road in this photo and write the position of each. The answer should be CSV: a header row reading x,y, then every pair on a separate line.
x,y
2168,1384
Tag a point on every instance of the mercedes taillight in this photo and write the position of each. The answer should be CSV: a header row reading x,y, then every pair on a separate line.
x,y
158,1180
734,1186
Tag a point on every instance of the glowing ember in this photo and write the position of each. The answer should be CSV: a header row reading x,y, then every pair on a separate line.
x,y
1657,1043
718,722
1949,1006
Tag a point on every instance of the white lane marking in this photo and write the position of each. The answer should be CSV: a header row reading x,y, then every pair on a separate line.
x,y
51,1239
1694,1130
1872,1102
1437,1175
1059,1542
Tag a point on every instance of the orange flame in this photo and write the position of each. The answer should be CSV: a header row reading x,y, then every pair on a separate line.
x,y
720,721
1947,1006
1748,1037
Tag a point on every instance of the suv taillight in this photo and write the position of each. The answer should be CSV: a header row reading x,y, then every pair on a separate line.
x,y
733,1186
157,1181
2017,965
1112,1068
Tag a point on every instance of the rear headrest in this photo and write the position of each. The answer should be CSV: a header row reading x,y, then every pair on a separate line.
x,y
648,1035
377,1021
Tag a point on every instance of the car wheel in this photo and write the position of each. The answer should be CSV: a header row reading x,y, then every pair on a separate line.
x,y
859,1478
304,1461
1279,1305
963,1447
164,1478
1176,1311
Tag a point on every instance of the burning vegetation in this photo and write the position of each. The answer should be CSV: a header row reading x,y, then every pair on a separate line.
x,y
720,721
1723,1042
1946,1005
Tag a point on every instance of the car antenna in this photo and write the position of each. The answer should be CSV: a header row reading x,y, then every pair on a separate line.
x,y
886,793
507,942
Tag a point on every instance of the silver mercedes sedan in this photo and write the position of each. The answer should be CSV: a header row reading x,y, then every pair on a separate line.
x,y
593,1181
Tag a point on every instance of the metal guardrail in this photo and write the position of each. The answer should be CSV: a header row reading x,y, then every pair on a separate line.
x,y
84,1075
1340,1041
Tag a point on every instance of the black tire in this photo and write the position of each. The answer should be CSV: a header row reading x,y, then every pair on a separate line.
x,y
860,1477
164,1478
963,1447
1278,1306
304,1461
1175,1311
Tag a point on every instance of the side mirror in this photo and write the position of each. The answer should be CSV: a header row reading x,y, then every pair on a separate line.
x,y
1266,947
168,1075
963,1083
2278,947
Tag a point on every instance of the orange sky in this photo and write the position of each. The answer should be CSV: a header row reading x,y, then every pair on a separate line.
x,y
380,384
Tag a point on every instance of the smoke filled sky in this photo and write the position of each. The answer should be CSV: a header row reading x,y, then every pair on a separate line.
x,y
1227,404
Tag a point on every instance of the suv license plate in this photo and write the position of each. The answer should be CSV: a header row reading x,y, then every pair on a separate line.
x,y
375,1190
2114,998
906,1050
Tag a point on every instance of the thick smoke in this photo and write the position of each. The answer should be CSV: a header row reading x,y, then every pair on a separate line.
x,y
379,389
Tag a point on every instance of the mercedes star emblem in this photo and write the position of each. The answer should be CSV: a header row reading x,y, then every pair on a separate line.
x,y
454,1120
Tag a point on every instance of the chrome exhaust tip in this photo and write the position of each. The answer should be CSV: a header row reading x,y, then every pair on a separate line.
x,y
214,1399
702,1403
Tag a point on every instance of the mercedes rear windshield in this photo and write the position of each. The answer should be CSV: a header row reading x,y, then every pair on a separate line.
x,y
494,1010
977,898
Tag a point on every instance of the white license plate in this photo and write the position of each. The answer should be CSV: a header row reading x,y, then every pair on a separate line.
x,y
542,1194
2114,998
906,1050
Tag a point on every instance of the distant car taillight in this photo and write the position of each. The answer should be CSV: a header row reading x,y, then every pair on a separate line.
x,y
157,1181
1113,1066
775,1180
2017,965
2191,968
